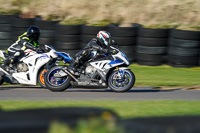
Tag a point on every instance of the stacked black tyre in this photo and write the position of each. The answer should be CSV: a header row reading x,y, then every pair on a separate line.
x,y
20,26
5,31
183,48
68,38
47,28
126,39
152,46
90,32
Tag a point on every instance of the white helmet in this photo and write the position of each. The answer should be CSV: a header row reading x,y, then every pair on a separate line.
x,y
104,37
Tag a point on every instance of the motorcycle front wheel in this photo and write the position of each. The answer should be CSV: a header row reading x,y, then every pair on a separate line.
x,y
54,82
121,81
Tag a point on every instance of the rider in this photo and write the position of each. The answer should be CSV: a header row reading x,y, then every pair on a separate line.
x,y
28,40
101,43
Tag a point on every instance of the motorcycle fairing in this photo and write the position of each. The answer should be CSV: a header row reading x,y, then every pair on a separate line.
x,y
106,64
30,77
66,56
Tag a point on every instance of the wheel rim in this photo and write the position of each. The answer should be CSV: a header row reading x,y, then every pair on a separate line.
x,y
54,81
42,76
120,82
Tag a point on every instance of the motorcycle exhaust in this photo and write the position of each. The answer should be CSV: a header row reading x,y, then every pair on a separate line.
x,y
65,70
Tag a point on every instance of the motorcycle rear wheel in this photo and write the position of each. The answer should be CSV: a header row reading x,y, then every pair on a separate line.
x,y
1,80
41,78
54,83
124,84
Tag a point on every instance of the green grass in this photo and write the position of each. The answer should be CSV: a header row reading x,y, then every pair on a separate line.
x,y
165,75
125,109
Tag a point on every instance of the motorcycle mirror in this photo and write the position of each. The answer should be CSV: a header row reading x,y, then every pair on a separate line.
x,y
114,43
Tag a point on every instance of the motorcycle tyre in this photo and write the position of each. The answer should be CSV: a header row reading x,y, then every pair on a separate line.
x,y
41,78
127,87
1,80
60,88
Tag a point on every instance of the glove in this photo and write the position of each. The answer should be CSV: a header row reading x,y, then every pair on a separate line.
x,y
38,49
109,51
112,51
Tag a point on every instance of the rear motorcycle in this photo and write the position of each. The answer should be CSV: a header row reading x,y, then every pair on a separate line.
x,y
30,69
101,71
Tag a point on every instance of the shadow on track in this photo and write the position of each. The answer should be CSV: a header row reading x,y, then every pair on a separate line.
x,y
10,87
130,91
133,90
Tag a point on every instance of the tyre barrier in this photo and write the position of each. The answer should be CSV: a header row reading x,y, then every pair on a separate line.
x,y
87,38
185,34
178,48
199,59
152,46
153,33
130,52
39,120
151,59
68,29
20,26
68,38
48,29
183,61
183,48
117,31
6,31
72,53
90,32
152,42
125,38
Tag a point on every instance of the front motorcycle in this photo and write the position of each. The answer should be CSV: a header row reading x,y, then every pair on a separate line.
x,y
109,71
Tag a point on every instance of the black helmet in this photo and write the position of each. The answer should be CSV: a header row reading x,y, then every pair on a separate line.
x,y
34,33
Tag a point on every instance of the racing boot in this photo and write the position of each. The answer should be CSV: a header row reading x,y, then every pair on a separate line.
x,y
75,63
72,68
5,66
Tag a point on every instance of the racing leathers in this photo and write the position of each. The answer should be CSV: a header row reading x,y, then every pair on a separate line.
x,y
85,54
16,50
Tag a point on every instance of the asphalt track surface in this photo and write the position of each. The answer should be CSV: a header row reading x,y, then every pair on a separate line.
x,y
35,93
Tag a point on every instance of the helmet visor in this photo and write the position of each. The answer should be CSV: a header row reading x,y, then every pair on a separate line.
x,y
108,41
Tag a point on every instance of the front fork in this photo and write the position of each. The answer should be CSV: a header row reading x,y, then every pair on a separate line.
x,y
120,73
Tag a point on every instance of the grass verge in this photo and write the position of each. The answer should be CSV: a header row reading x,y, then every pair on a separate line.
x,y
165,75
125,109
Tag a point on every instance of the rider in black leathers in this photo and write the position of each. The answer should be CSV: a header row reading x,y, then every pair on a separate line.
x,y
29,40
101,44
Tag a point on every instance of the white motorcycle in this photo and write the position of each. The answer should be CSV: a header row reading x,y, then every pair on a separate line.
x,y
101,71
30,69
